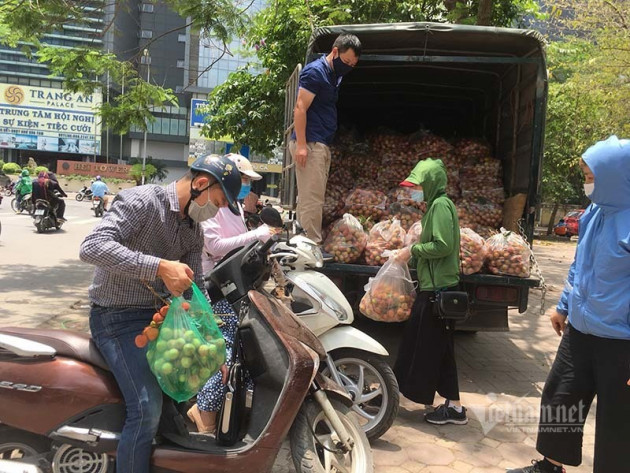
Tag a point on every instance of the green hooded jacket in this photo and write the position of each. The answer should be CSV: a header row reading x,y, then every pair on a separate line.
x,y
439,242
25,183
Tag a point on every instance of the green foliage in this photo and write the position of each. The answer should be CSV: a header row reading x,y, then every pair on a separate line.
x,y
161,171
136,173
589,90
1,163
249,106
11,168
38,169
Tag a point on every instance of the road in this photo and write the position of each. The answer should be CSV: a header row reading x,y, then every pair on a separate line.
x,y
44,284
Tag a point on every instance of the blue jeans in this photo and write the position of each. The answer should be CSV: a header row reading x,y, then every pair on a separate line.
x,y
113,331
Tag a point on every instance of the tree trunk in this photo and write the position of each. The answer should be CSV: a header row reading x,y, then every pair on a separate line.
x,y
484,13
552,219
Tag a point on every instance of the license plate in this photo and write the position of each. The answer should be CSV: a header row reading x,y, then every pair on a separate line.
x,y
39,212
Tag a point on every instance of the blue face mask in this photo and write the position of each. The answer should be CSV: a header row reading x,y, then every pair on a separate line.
x,y
417,196
245,190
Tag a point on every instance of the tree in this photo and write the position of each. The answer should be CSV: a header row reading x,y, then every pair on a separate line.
x,y
26,24
161,172
589,90
136,173
249,106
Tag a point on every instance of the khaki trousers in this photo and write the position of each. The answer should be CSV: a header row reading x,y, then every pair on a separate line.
x,y
311,184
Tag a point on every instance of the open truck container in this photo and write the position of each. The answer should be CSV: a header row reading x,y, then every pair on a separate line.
x,y
455,80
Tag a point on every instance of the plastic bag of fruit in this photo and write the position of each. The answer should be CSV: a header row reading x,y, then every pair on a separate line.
x,y
508,254
386,235
390,294
367,203
346,240
472,251
189,347
407,215
414,234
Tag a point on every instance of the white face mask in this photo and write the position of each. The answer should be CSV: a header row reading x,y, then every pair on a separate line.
x,y
589,189
201,213
417,196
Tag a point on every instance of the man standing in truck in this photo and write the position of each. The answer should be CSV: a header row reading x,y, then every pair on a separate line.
x,y
594,355
315,119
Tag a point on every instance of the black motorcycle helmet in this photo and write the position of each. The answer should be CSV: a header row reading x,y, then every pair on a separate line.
x,y
225,172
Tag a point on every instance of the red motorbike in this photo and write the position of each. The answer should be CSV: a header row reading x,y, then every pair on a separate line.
x,y
62,411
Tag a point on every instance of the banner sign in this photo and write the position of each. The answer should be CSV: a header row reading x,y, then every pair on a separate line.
x,y
45,119
65,168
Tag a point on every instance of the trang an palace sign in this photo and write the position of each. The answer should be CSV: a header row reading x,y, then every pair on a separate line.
x,y
120,171
45,119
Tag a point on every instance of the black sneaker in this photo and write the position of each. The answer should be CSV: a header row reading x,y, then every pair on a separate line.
x,y
538,466
446,415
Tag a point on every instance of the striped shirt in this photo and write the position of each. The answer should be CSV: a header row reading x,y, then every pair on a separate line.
x,y
142,227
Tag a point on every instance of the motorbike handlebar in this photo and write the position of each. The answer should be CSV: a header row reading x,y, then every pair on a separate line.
x,y
267,245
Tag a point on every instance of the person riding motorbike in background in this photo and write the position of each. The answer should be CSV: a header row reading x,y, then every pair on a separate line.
x,y
99,189
44,188
24,185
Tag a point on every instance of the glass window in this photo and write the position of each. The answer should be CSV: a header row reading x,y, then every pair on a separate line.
x,y
181,38
181,63
174,125
182,127
146,34
147,8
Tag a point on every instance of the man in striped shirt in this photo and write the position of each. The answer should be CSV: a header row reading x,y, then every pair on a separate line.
x,y
150,241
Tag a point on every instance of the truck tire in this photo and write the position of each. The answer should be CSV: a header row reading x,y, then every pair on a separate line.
x,y
376,412
310,457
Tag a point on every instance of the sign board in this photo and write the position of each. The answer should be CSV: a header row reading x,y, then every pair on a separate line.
x,y
265,167
197,119
46,119
120,171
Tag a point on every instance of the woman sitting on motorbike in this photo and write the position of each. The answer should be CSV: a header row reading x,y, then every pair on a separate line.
x,y
222,234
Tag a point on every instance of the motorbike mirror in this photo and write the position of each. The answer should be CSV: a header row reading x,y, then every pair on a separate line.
x,y
271,217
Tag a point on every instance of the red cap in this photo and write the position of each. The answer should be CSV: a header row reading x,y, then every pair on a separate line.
x,y
407,184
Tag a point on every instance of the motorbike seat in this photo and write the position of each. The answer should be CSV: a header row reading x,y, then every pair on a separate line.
x,y
75,345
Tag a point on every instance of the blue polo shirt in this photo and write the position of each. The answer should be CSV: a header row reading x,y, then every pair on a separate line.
x,y
321,117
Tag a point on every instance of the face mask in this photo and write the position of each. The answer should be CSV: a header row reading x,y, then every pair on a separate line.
x,y
589,189
417,196
245,190
340,67
201,213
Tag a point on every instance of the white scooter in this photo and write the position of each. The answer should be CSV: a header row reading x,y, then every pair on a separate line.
x,y
355,360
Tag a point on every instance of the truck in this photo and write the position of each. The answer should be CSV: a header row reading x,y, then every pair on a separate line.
x,y
485,82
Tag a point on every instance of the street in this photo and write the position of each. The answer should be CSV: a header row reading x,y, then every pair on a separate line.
x,y
44,284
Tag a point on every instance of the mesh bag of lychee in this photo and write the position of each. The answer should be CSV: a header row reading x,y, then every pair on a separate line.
x,y
189,348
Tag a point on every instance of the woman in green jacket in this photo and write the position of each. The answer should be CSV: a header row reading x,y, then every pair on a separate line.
x,y
426,357
24,185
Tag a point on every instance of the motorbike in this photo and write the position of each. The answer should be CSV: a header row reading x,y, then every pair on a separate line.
x,y
354,360
85,193
98,206
26,204
43,369
9,189
44,216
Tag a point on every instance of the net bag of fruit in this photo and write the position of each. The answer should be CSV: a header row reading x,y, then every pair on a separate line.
x,y
346,240
386,235
508,254
472,251
189,348
390,294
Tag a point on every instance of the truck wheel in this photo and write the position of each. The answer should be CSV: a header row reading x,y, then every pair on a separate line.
x,y
17,444
372,385
321,454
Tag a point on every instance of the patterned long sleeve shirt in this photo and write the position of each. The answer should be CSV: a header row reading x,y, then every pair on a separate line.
x,y
142,227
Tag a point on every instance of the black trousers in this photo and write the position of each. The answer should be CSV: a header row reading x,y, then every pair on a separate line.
x,y
426,357
586,366
59,205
